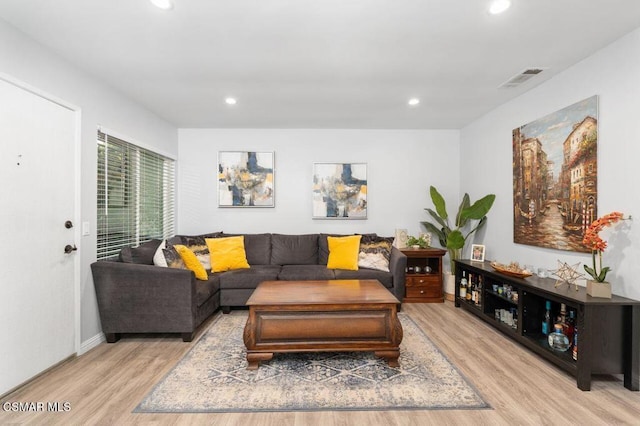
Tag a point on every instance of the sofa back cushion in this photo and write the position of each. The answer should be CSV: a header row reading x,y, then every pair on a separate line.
x,y
143,254
257,247
294,249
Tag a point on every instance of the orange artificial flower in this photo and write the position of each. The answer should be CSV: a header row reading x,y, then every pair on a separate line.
x,y
597,245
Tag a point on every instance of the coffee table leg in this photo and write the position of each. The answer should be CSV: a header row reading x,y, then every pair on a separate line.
x,y
391,356
254,358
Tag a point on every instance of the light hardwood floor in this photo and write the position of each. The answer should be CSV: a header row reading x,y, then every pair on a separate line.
x,y
105,385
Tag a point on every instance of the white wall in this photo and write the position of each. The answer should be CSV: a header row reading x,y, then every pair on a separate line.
x,y
29,62
613,74
401,166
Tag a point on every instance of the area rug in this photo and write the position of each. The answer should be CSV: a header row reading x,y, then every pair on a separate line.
x,y
213,377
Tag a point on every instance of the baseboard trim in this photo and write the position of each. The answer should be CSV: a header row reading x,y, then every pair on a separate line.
x,y
91,343
449,297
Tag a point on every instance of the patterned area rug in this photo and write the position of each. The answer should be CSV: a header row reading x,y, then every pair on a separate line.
x,y
213,377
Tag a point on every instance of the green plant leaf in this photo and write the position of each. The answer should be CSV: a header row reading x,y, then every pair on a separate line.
x,y
603,274
480,208
438,219
439,203
480,224
591,272
461,221
455,240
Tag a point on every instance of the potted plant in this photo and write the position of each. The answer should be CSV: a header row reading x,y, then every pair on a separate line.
x,y
599,287
450,238
419,242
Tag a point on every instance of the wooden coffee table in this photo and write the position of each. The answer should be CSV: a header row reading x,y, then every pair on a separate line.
x,y
314,316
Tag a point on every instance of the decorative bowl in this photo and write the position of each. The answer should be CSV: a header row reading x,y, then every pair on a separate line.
x,y
504,269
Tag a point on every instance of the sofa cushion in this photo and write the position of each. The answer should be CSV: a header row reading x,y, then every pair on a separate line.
x,y
305,273
227,253
323,246
248,278
294,249
386,278
375,252
206,289
143,254
257,247
191,262
196,244
343,252
158,257
172,257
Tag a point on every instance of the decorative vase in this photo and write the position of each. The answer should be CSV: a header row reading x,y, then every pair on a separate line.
x,y
598,289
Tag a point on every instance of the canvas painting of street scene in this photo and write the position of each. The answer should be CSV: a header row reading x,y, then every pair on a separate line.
x,y
555,177
339,191
245,179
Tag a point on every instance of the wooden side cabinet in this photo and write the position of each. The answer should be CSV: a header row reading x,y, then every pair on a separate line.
x,y
424,275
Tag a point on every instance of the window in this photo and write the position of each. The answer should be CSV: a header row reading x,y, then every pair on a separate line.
x,y
136,190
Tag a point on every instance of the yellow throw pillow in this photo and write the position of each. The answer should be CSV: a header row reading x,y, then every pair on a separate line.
x,y
343,252
191,262
227,253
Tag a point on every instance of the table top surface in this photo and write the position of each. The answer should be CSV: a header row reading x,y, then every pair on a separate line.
x,y
322,292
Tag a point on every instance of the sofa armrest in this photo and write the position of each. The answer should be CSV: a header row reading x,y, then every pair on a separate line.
x,y
398,268
134,298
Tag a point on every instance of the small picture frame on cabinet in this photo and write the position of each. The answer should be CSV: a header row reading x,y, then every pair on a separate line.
x,y
477,253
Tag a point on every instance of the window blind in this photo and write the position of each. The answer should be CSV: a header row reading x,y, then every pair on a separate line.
x,y
136,195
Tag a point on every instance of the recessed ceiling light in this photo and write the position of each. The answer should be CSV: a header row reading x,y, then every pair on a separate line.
x,y
413,101
499,6
163,4
230,101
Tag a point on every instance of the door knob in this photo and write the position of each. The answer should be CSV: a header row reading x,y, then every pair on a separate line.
x,y
69,248
68,224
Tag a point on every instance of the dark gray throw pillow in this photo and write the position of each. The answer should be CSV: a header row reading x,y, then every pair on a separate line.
x,y
143,254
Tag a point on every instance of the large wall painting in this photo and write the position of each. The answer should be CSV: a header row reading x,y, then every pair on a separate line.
x,y
555,177
245,179
339,191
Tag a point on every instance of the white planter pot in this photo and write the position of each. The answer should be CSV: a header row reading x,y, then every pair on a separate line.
x,y
449,285
597,289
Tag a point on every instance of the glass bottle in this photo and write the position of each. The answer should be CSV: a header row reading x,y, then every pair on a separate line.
x,y
570,327
479,291
563,314
557,340
575,345
463,286
546,322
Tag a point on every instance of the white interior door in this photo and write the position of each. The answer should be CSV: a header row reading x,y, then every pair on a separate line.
x,y
37,197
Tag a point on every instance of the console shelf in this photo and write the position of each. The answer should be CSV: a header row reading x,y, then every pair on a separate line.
x,y
608,329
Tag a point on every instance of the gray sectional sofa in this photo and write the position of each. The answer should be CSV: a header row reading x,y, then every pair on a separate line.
x,y
135,296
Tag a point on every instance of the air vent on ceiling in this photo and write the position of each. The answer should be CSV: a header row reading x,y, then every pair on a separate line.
x,y
521,77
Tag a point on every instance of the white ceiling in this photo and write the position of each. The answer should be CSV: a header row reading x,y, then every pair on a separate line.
x,y
321,63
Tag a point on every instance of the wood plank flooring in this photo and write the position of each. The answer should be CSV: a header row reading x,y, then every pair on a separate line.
x,y
106,384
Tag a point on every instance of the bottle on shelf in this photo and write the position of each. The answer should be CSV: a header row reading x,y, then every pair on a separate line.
x,y
469,289
546,321
557,340
472,281
575,345
463,286
570,326
479,291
